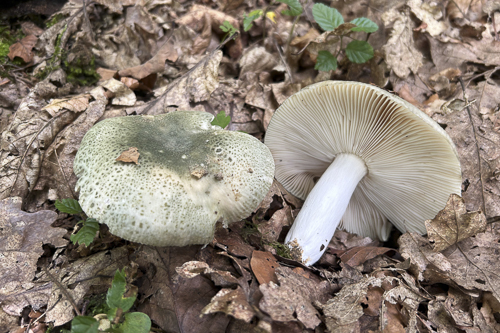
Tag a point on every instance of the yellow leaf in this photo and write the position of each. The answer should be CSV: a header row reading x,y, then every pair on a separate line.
x,y
271,16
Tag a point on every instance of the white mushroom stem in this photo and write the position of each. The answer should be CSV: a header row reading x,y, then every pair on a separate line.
x,y
324,207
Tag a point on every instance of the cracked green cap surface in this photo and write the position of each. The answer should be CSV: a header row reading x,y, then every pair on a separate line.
x,y
189,175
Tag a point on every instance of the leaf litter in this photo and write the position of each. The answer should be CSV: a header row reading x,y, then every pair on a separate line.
x,y
160,56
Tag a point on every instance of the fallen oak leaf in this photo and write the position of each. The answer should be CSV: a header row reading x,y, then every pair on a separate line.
x,y
263,266
232,302
453,224
22,49
358,255
130,155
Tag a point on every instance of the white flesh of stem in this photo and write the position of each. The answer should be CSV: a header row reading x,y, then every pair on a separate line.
x,y
325,205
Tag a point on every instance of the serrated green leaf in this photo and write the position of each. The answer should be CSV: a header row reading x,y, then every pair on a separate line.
x,y
359,51
84,324
252,16
135,322
68,206
295,7
364,24
325,62
87,232
115,296
328,18
221,119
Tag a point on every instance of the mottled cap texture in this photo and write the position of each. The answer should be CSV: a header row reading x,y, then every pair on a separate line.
x,y
189,175
412,163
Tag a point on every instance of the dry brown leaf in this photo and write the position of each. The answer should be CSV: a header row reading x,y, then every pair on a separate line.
x,y
292,299
232,302
358,255
264,266
56,175
23,141
21,238
400,52
257,60
76,104
471,264
271,229
154,65
107,74
30,28
478,146
191,269
81,275
130,155
196,86
302,41
453,224
22,49
123,94
172,302
233,243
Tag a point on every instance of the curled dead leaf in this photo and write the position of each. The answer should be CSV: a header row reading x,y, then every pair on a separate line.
x,y
130,155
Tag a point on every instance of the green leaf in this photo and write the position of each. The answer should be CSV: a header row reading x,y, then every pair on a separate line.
x,y
87,232
364,24
328,18
325,61
135,322
68,206
84,324
221,120
359,51
115,296
228,27
295,7
252,16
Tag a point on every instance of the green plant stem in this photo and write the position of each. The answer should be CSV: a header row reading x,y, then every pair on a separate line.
x,y
340,47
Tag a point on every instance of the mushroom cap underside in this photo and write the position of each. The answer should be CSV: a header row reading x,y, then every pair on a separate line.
x,y
412,163
189,175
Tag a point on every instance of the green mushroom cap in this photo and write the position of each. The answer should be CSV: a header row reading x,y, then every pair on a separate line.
x,y
190,174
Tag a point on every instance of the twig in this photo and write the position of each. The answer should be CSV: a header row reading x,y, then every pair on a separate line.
x,y
283,60
63,290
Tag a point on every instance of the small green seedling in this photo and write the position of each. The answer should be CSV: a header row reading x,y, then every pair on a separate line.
x,y
357,51
229,29
221,120
119,318
89,228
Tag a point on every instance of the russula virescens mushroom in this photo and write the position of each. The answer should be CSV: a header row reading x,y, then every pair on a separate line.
x,y
359,156
189,175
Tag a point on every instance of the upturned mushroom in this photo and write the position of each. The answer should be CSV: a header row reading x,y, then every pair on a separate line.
x,y
359,156
189,175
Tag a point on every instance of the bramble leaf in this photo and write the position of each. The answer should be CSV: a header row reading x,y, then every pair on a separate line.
x,y
115,296
84,324
228,28
135,322
87,232
328,18
68,206
359,51
325,61
295,7
364,24
221,120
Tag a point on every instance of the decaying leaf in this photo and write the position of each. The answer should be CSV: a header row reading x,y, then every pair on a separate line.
x,y
75,104
400,52
22,49
470,263
81,275
453,224
358,255
21,238
264,267
195,86
123,94
232,302
130,155
23,141
293,298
